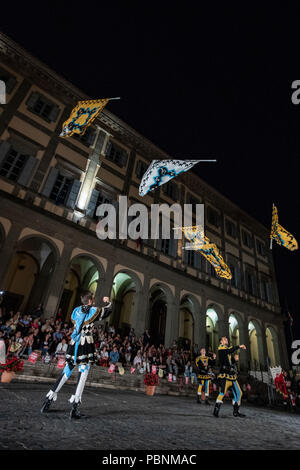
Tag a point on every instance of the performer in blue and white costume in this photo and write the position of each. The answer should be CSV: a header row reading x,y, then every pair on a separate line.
x,y
81,350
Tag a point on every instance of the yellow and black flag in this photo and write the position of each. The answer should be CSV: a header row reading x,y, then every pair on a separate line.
x,y
82,116
280,235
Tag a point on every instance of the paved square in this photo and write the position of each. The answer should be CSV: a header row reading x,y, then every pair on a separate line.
x,y
132,420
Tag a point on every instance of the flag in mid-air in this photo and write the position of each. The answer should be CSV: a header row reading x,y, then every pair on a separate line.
x,y
280,235
82,116
161,171
209,250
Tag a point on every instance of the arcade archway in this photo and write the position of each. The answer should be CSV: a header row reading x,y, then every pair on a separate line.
x,y
84,274
29,273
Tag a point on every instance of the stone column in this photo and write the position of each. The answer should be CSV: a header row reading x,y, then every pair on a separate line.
x,y
262,347
8,250
245,356
224,324
140,314
201,334
172,321
56,287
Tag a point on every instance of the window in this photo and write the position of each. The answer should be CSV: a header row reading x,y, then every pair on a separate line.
x,y
171,190
13,164
9,80
250,282
61,189
190,257
116,154
230,228
265,290
165,246
247,239
141,168
213,217
235,274
87,138
261,248
43,107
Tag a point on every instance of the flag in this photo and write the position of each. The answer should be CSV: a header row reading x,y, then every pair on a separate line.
x,y
280,235
161,171
209,250
82,116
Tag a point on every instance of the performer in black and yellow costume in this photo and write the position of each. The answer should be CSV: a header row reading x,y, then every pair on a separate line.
x,y
203,364
227,377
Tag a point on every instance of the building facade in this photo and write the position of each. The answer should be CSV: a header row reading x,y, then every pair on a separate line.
x,y
50,188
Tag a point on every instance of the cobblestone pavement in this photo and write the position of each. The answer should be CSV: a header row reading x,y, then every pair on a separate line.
x,y
132,420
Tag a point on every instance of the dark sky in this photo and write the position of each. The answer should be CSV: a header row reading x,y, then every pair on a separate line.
x,y
199,81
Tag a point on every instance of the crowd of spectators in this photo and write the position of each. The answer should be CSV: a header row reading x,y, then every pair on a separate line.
x,y
27,333
49,338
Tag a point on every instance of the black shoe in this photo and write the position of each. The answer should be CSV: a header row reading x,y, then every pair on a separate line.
x,y
236,412
217,409
207,402
75,413
199,399
46,405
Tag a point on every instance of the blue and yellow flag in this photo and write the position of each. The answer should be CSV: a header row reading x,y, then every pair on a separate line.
x,y
280,235
209,250
82,116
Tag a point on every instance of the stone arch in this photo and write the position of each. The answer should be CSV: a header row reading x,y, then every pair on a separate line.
x,y
272,345
214,316
85,272
28,276
125,293
160,299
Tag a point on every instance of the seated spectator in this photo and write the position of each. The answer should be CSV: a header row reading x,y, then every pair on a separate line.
x,y
103,357
6,328
61,349
15,344
114,355
45,345
138,361
57,335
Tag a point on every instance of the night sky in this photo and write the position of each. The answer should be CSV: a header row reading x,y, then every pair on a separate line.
x,y
199,82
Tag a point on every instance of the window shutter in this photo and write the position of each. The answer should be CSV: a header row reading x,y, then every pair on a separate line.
x,y
71,200
10,84
32,100
138,169
124,158
108,148
173,247
28,170
197,260
53,115
52,176
92,204
4,149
